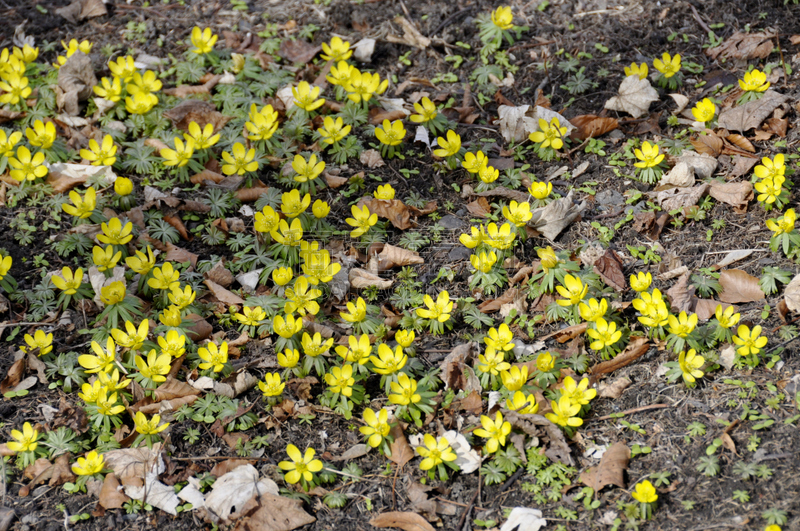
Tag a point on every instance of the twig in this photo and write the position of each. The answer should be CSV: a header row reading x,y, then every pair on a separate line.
x,y
468,510
451,502
783,65
510,481
700,20
630,411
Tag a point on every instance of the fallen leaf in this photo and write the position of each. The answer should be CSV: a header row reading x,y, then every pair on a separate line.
x,y
394,210
635,96
524,519
615,389
361,279
232,490
635,350
133,462
739,286
220,274
736,194
467,459
411,35
709,144
680,296
407,521
173,388
378,115
479,207
727,356
371,159
75,81
517,122
731,257
13,376
592,126
270,512
392,256
706,308
792,294
677,198
63,177
610,268
454,364
744,46
751,114
557,215
184,91
566,334
611,470
703,165
7,115
558,450
111,495
401,452
728,443
741,142
354,452
741,166
425,506
298,50
222,294
777,126
648,224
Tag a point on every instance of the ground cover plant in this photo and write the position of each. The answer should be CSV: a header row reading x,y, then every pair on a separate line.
x,y
308,266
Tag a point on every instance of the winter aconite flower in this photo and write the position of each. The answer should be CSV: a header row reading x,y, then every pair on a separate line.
x,y
306,98
404,391
503,18
499,238
500,338
123,68
637,70
102,155
27,167
106,258
287,326
337,50
388,361
357,351
289,358
261,124
577,393
473,162
213,357
320,209
362,86
362,220
426,111
483,262
565,413
540,190
573,291
293,204
25,440
301,466
90,465
515,377
750,342
333,130
203,138
769,189
495,431
307,170
239,161
173,343
133,338
148,427
754,81
593,310
377,426
340,74
492,362
39,340
15,88
384,192
726,318
488,174
782,225
282,276
115,233
103,360
164,277
648,156
448,146
181,155
522,404
668,65
438,310
41,134
68,282
340,380
140,262
771,168
156,366
435,452
203,40
391,133
272,385
690,363
549,134
605,335
110,90
8,142
645,492
518,213
405,338
641,281
704,111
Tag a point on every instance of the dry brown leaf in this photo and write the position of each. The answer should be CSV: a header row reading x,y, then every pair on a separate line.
x,y
615,389
394,210
198,111
173,388
751,114
680,296
777,126
649,224
269,512
592,126
13,376
371,159
361,279
184,91
454,364
739,286
707,144
378,115
111,495
556,216
392,256
178,225
741,166
741,142
610,268
675,198
64,177
792,294
222,294
706,308
411,35
736,194
479,207
744,46
207,176
180,255
219,274
611,470
401,452
298,50
334,181
7,115
492,305
728,443
566,334
251,194
558,450
407,521
501,191
635,96
635,350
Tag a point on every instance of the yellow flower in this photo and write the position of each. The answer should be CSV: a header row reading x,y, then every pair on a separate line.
x,y
164,277
292,205
404,338
690,364
317,266
750,342
5,266
340,74
289,358
540,190
439,310
404,391
648,156
300,466
495,431
8,142
140,262
83,207
637,70
515,377
40,340
784,224
67,282
426,111
377,426
110,381
391,133
41,135
362,86
772,527
499,338
483,262
203,40
356,312
645,492
388,361
171,316
134,338
25,440
27,54
704,111
362,220
288,235
90,465
148,427
653,309
239,62
384,192
668,65
306,98
492,362
140,103
333,130
26,167
573,291
157,366
577,393
251,315
726,318
768,189
213,357
488,174
288,326
90,392
114,233
548,258
203,138
682,325
771,168
272,385
502,18
181,298
110,90
473,162
448,146
123,68
545,362
501,238
524,405
754,81
564,413
320,209
549,134
307,171
435,452
282,276
105,258
337,50
104,156
641,281
173,343
262,124
267,220
16,88
103,360
593,310
340,380
146,83
605,335
359,350
181,155
473,239
518,213
314,346
107,404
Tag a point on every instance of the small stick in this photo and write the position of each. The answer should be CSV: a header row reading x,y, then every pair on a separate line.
x,y
451,502
468,510
630,411
700,20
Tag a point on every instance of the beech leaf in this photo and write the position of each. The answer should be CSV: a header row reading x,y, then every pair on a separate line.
x,y
635,96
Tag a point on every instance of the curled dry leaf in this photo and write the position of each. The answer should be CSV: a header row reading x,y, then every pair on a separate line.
x,y
709,144
592,126
553,218
744,46
222,294
454,364
298,50
524,519
231,491
736,194
371,159
407,521
361,278
467,459
558,450
391,256
401,452
269,512
635,96
111,494
615,389
739,286
751,114
741,142
610,268
611,470
675,198
792,294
